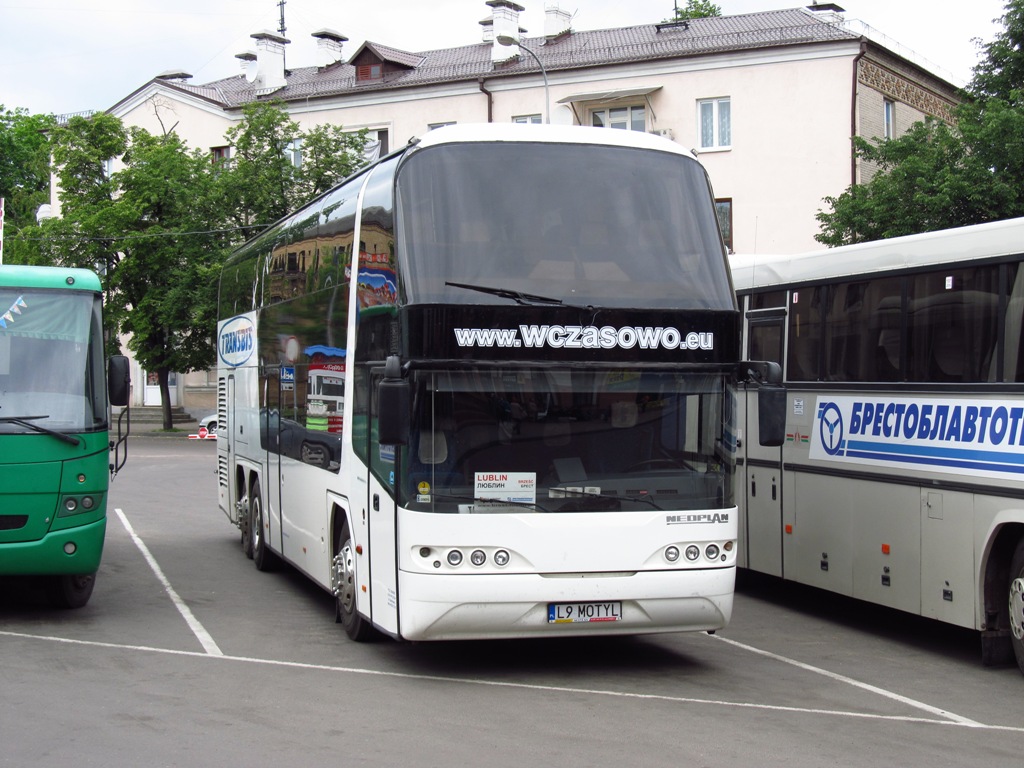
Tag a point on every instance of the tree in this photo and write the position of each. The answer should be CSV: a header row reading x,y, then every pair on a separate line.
x,y
145,229
166,281
938,176
157,230
695,9
329,155
24,178
259,183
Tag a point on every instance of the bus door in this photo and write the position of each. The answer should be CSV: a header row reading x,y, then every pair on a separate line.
x,y
762,493
225,455
382,510
271,441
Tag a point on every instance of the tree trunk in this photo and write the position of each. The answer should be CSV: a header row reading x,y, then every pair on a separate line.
x,y
163,375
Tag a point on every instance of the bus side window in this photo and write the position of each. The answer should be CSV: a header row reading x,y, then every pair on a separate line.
x,y
805,334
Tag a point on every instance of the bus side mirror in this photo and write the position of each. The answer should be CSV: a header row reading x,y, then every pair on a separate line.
x,y
393,399
119,380
771,416
771,400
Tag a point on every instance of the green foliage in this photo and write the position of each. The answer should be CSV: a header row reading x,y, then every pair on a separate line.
x,y
24,178
157,229
259,182
938,176
1001,69
329,155
695,9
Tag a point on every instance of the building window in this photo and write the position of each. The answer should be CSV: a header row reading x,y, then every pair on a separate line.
x,y
432,126
220,154
293,151
528,119
369,72
888,118
724,210
715,123
623,118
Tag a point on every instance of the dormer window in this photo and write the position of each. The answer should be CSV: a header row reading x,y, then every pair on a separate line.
x,y
369,72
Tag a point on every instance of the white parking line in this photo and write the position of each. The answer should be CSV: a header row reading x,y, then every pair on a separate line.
x,y
193,623
960,723
856,683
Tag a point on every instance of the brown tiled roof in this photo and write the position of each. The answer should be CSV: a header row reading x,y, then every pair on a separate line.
x,y
648,42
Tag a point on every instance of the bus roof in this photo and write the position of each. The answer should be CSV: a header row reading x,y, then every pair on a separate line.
x,y
21,276
555,134
963,244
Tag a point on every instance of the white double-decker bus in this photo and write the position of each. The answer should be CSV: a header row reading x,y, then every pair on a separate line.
x,y
901,480
487,387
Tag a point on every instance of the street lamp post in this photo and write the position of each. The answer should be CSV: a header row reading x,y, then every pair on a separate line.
x,y
508,40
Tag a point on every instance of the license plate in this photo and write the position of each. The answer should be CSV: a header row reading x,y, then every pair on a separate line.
x,y
571,613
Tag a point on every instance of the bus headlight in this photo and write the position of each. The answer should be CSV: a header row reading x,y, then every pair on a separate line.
x,y
501,558
672,554
454,558
711,551
692,552
70,504
478,557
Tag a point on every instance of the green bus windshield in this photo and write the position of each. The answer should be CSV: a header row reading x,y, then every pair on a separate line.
x,y
51,360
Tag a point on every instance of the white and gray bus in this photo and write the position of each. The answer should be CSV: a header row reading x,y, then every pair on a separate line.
x,y
901,479
530,337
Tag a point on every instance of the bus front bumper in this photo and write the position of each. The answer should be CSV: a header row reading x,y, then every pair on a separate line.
x,y
50,556
442,607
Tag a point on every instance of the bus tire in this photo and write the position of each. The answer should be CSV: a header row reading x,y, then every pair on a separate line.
x,y
71,590
264,559
245,525
1016,592
346,614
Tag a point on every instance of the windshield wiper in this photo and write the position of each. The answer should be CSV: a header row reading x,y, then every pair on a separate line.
x,y
491,502
517,296
600,502
26,421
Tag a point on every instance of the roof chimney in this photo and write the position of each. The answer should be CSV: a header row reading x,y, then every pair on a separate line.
x,y
505,22
328,47
248,61
270,62
488,25
556,21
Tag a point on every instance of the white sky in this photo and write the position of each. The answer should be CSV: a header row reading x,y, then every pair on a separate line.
x,y
65,56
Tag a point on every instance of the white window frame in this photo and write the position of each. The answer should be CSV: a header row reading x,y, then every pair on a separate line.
x,y
718,141
608,122
888,118
528,119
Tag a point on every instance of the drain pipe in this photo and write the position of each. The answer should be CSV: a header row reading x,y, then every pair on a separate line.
x,y
853,109
490,100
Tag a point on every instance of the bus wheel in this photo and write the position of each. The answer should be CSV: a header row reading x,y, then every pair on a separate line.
x,y
245,525
261,554
356,627
71,590
1017,604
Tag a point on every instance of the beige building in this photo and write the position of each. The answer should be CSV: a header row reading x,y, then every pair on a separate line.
x,y
768,101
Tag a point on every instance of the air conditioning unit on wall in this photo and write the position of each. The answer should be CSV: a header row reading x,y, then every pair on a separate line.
x,y
666,132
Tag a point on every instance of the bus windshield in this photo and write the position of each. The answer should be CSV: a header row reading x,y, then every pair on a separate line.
x,y
568,440
636,229
47,340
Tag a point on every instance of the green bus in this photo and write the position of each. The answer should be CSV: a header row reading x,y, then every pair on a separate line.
x,y
55,450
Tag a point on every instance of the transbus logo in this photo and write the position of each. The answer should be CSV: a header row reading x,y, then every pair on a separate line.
x,y
584,337
236,341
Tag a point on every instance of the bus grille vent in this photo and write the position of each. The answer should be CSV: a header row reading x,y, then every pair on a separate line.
x,y
222,471
12,522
